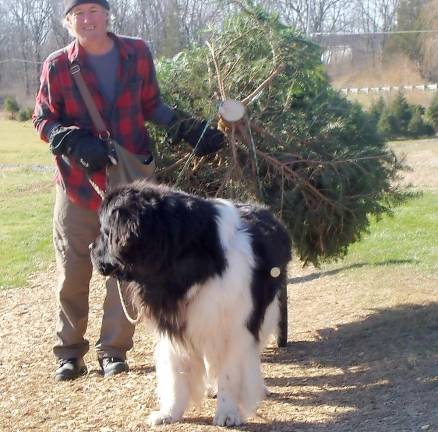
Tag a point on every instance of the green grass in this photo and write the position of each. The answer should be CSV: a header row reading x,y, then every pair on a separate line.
x,y
410,238
26,201
20,144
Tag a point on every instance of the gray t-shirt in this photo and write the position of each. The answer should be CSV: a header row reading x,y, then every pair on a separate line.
x,y
105,67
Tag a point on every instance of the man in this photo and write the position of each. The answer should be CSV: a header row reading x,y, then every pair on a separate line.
x,y
120,75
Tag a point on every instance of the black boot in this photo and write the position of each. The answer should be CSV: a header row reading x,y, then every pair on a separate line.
x,y
113,365
70,369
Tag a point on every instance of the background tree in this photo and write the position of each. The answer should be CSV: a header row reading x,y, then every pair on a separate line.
x,y
402,113
11,106
400,119
428,42
24,114
30,25
387,124
173,38
30,30
432,112
377,109
409,19
58,35
417,125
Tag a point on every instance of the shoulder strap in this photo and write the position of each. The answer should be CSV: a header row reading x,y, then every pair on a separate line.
x,y
98,122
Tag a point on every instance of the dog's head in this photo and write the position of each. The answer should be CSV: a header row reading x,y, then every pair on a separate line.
x,y
162,240
130,232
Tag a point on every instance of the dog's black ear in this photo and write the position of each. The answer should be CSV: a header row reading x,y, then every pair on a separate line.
x,y
124,231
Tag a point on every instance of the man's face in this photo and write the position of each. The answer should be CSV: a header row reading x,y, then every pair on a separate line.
x,y
88,21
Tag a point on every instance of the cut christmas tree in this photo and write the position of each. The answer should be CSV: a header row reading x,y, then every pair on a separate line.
x,y
294,143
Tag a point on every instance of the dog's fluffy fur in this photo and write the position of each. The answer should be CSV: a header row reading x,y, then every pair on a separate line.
x,y
206,272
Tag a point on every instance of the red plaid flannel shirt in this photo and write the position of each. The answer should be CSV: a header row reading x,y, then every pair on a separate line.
x,y
59,102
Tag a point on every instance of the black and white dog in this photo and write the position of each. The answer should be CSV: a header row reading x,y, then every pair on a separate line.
x,y
208,273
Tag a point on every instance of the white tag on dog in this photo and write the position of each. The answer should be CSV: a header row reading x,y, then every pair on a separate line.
x,y
275,272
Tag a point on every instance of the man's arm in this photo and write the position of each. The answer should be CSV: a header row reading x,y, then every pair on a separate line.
x,y
89,151
48,105
150,92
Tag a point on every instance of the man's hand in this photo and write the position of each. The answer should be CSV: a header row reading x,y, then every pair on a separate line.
x,y
89,151
203,138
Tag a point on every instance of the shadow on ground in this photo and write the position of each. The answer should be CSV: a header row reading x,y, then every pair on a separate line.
x,y
320,274
383,368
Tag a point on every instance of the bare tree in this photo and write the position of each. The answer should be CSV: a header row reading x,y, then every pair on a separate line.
x,y
313,16
59,36
428,41
375,15
31,24
121,12
196,16
30,29
168,25
3,44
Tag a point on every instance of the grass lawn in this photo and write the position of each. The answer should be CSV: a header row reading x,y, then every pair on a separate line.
x,y
19,144
410,238
26,201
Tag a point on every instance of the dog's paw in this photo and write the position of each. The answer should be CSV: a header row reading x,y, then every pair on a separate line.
x,y
229,417
160,418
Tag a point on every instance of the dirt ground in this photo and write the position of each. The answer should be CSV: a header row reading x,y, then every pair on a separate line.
x,y
362,357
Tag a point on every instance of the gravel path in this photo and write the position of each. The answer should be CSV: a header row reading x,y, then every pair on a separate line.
x,y
362,356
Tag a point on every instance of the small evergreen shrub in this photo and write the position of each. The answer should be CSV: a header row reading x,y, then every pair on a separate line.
x,y
401,111
387,124
11,106
432,113
377,109
417,126
400,119
24,114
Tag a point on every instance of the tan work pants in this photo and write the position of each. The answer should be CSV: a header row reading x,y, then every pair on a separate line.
x,y
74,228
